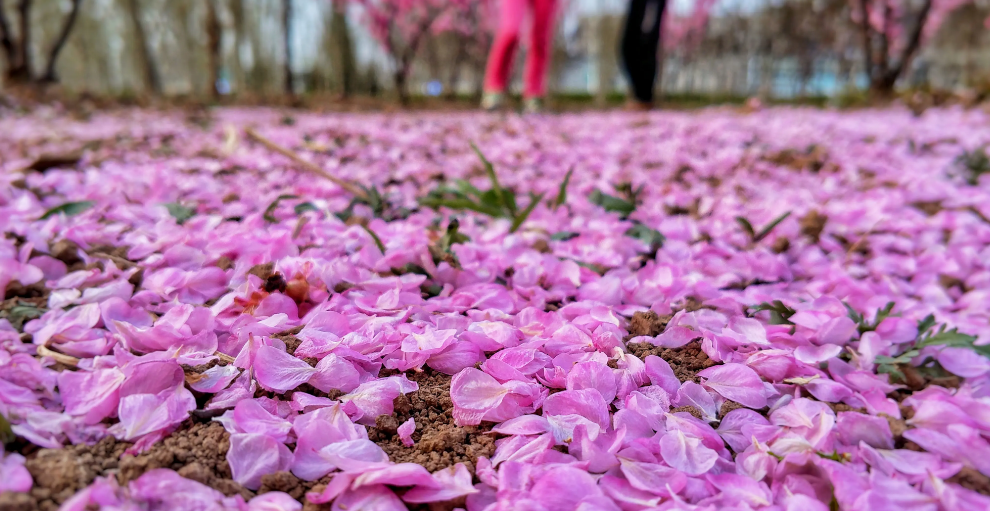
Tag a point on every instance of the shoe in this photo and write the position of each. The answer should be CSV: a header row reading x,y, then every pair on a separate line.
x,y
638,106
491,101
533,106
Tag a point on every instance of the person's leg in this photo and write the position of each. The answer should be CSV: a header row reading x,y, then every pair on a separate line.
x,y
651,43
504,47
640,41
541,37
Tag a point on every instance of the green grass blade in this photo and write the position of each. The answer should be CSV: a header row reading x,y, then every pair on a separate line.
x,y
769,228
747,227
562,192
271,208
68,209
490,171
378,241
518,221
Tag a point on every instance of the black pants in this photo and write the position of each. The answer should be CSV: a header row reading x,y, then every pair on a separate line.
x,y
640,41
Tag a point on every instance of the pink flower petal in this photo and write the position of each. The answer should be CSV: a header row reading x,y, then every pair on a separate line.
x,y
686,453
278,371
406,430
736,382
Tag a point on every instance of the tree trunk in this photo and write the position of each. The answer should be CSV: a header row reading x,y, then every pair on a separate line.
x,y
866,33
213,36
20,71
455,70
342,34
883,82
49,76
151,73
5,41
401,82
287,27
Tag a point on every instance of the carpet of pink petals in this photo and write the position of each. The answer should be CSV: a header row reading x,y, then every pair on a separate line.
x,y
534,337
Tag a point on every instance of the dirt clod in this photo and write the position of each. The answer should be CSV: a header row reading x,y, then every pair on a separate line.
x,y
728,406
262,271
647,323
439,443
285,482
812,225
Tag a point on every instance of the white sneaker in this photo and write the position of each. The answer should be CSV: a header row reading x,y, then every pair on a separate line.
x,y
491,101
533,106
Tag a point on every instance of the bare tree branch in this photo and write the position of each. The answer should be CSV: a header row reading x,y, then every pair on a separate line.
x,y
150,67
911,48
21,70
883,67
864,12
60,43
287,27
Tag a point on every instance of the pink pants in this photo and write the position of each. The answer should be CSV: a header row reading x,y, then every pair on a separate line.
x,y
507,40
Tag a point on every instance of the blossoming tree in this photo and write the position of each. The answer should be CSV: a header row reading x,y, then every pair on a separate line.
x,y
893,32
401,26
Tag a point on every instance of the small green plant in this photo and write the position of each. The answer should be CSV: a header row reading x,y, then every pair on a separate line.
x,y
6,432
780,314
974,164
624,204
179,212
908,353
379,205
564,236
441,251
20,313
648,235
868,326
270,210
755,236
562,192
496,202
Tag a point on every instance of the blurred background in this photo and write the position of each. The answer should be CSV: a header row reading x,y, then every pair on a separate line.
x,y
816,51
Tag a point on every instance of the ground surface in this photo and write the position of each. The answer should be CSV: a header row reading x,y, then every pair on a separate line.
x,y
785,309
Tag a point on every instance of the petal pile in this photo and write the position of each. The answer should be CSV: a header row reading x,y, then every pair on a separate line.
x,y
784,310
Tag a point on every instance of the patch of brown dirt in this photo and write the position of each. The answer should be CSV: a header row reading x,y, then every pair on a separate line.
x,y
10,501
290,484
59,473
290,339
198,452
812,225
262,271
971,479
689,409
728,406
647,323
780,245
439,443
686,361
